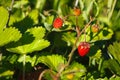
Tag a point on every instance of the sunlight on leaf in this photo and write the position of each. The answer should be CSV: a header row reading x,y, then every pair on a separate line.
x,y
9,35
112,65
104,34
7,73
25,45
37,32
52,61
34,15
114,51
69,38
3,18
76,69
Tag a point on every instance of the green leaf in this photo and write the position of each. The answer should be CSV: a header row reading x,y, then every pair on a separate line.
x,y
24,23
36,45
37,32
115,78
34,15
6,73
9,35
54,62
76,69
5,3
3,18
69,37
114,51
112,65
18,4
40,4
28,58
105,20
31,41
16,16
95,55
48,22
104,34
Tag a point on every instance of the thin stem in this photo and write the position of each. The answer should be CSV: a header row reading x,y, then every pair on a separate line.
x,y
77,27
41,74
74,46
85,33
0,58
10,9
24,59
76,3
51,73
11,6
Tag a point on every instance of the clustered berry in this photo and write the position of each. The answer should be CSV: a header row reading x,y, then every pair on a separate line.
x,y
84,47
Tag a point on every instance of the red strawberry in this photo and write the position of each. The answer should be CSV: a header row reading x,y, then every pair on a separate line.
x,y
58,22
83,48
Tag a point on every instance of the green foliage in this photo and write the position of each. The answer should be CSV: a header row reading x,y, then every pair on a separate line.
x,y
75,70
115,78
26,27
108,64
69,38
103,34
48,22
31,41
54,62
6,72
113,63
9,35
3,18
5,3
114,51
95,56
28,59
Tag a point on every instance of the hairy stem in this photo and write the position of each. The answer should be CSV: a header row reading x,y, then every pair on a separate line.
x,y
41,74
9,10
54,77
24,59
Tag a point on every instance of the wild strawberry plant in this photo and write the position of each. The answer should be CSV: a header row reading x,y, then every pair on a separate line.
x,y
61,40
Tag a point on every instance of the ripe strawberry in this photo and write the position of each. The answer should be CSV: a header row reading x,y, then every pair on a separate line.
x,y
83,48
76,11
95,28
58,22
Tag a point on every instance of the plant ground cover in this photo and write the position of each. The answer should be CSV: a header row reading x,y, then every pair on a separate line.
x,y
59,40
